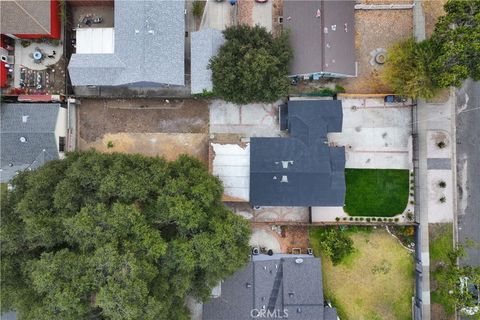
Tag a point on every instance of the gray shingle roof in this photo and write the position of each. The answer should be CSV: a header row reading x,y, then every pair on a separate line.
x,y
205,44
25,17
149,47
300,170
300,289
322,36
35,122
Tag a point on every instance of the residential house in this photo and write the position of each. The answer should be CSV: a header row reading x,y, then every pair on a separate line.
x,y
322,34
301,169
146,48
277,286
30,135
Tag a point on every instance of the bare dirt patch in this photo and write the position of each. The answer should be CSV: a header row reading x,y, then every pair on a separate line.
x,y
245,11
147,126
376,29
432,9
294,239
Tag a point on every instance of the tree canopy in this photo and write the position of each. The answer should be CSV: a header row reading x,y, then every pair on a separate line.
x,y
407,70
455,283
115,236
451,55
252,65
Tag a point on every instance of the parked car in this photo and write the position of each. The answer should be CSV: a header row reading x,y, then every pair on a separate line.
x,y
473,289
391,98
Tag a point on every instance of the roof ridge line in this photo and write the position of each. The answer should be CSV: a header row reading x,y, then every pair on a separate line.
x,y
33,18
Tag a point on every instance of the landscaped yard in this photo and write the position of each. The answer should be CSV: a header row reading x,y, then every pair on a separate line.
x,y
376,192
441,243
375,282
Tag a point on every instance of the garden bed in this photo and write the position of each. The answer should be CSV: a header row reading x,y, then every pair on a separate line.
x,y
376,192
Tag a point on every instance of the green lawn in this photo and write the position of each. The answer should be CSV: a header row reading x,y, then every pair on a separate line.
x,y
376,192
375,282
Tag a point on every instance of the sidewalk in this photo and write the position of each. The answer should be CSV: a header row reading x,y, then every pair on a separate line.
x,y
436,164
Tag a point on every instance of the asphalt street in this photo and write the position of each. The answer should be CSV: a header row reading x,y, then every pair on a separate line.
x,y
468,167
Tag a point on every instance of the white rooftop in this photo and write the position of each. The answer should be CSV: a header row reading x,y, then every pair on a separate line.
x,y
95,40
231,163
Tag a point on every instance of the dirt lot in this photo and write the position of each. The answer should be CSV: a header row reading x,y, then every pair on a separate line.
x,y
432,10
147,126
376,29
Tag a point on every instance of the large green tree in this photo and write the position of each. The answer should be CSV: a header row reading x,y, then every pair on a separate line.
x,y
407,70
451,55
114,236
457,34
252,65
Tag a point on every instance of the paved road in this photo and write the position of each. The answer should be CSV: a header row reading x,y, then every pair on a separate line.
x,y
468,166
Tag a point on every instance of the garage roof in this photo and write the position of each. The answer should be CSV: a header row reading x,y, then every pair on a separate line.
x,y
322,36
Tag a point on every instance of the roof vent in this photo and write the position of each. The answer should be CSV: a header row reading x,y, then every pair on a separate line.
x,y
318,14
23,139
284,179
286,163
299,261
24,119
151,32
299,310
248,285
291,294
334,27
137,31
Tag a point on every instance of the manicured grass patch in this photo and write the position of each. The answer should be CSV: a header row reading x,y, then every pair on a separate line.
x,y
441,243
376,192
374,282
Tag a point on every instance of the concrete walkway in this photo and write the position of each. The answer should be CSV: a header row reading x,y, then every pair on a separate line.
x,y
217,15
422,213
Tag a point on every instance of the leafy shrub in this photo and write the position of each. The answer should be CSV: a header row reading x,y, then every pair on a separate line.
x,y
197,9
334,243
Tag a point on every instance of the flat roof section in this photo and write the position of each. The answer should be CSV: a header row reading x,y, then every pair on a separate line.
x,y
231,164
95,40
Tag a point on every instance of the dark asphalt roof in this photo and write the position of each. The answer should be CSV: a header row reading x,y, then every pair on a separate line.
x,y
322,36
300,170
149,47
36,123
279,283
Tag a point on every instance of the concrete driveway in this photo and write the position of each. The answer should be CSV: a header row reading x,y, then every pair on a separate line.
x,y
375,135
217,15
262,14
250,120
